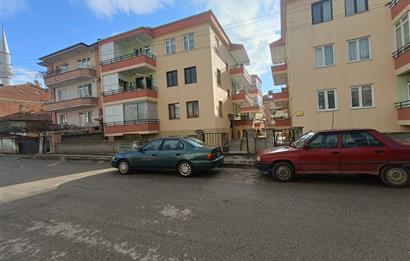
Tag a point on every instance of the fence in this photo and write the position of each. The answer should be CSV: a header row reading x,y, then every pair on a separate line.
x,y
216,139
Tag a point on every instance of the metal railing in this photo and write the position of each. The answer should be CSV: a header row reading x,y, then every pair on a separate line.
x,y
70,99
130,122
47,74
402,104
130,89
401,50
128,56
393,3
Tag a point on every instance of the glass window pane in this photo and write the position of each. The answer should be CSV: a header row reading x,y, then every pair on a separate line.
x,y
319,57
191,41
398,37
152,146
361,5
364,49
185,42
349,6
367,99
316,13
406,32
352,51
325,141
321,100
329,55
331,99
355,97
327,11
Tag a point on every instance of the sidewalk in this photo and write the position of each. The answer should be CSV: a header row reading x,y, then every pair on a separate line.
x,y
231,161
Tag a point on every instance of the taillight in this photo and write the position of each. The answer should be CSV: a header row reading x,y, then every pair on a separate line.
x,y
211,156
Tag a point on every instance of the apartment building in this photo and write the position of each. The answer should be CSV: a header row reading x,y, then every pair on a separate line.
x,y
276,108
345,64
169,80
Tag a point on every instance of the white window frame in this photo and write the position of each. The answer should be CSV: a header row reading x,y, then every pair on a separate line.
x,y
186,39
172,46
87,87
322,48
361,97
61,95
399,24
84,63
88,118
408,89
62,117
357,43
326,100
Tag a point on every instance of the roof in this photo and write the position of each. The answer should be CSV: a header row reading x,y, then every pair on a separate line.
x,y
4,48
343,130
21,116
67,49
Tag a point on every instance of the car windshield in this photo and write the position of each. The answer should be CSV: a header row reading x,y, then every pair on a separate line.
x,y
302,140
196,142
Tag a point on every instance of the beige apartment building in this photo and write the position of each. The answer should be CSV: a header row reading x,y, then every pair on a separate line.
x,y
173,79
345,63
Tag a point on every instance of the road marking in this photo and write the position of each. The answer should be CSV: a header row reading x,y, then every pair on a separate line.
x,y
28,189
54,164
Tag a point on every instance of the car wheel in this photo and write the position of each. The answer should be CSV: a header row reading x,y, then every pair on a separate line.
x,y
283,172
395,176
185,169
124,167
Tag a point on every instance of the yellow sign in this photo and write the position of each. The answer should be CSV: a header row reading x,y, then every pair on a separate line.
x,y
300,113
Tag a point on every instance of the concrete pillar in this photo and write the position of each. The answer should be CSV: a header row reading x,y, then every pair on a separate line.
x,y
270,142
251,141
41,143
55,140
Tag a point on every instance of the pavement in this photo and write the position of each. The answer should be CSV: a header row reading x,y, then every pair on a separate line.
x,y
84,210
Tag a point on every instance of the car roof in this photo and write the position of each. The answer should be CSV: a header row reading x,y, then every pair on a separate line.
x,y
344,130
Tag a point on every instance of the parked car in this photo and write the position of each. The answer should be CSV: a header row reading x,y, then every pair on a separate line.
x,y
186,155
359,151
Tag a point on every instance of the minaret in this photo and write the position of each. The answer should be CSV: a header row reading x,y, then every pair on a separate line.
x,y
6,72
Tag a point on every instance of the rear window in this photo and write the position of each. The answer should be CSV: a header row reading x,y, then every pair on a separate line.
x,y
359,139
195,142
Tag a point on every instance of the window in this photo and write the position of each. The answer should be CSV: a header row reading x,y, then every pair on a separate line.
x,y
192,109
84,63
220,109
402,32
357,139
113,113
85,91
62,68
172,78
322,11
324,56
61,95
63,119
408,86
359,49
189,41
326,100
170,46
362,96
140,111
190,75
355,6
152,146
174,111
172,145
85,118
218,77
325,141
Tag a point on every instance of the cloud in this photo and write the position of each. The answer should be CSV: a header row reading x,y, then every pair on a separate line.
x,y
108,8
12,7
253,23
24,75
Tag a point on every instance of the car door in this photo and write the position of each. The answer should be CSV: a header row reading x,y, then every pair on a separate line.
x,y
170,153
321,154
148,155
362,152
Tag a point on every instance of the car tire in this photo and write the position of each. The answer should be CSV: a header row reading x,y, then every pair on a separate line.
x,y
283,172
185,169
395,176
124,167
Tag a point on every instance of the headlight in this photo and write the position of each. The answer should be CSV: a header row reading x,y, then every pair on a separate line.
x,y
258,158
113,157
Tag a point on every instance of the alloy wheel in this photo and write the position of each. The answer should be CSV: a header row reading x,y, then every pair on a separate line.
x,y
185,169
396,176
123,167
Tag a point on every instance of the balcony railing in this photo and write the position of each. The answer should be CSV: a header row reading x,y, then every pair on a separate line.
x,y
393,3
131,122
402,104
130,89
401,50
128,56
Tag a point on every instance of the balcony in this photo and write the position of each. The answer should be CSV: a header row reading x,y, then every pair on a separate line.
x,y
240,75
242,98
128,61
77,103
397,6
147,126
132,92
254,92
402,59
280,96
280,74
69,76
249,109
403,112
283,123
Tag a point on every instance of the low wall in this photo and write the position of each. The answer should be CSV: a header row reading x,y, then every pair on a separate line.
x,y
8,145
92,148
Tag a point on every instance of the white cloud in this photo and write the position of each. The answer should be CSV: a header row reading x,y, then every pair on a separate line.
x,y
12,7
253,23
24,75
108,8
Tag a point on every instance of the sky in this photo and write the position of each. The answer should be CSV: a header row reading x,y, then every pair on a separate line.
x,y
35,28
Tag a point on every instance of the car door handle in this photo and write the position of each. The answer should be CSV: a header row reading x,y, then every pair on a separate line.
x,y
380,151
335,152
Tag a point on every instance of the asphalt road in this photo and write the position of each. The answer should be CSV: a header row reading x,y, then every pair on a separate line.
x,y
225,214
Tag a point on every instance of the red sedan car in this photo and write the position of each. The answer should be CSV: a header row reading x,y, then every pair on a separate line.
x,y
361,151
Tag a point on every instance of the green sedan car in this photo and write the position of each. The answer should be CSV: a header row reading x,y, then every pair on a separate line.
x,y
186,155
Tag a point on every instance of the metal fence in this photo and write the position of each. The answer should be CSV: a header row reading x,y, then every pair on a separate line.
x,y
130,89
128,56
216,139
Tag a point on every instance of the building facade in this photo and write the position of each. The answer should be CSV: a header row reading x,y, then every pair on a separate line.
x,y
169,80
335,57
